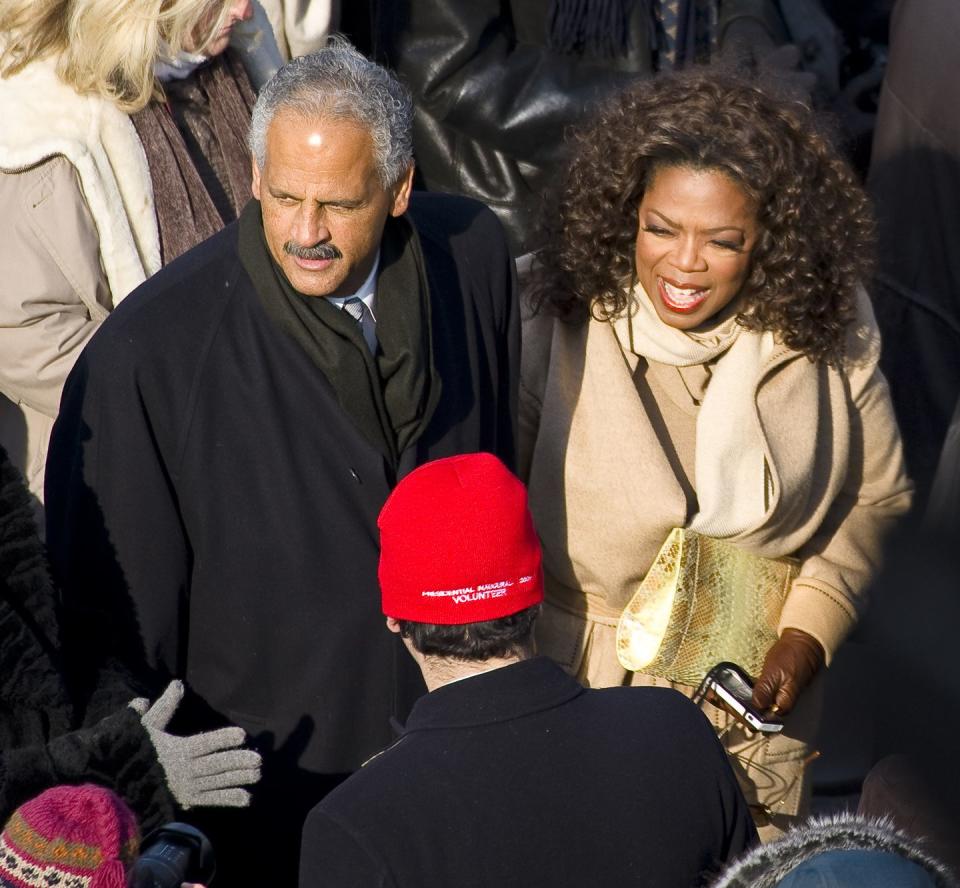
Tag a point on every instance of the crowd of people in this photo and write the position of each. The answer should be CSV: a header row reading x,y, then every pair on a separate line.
x,y
555,349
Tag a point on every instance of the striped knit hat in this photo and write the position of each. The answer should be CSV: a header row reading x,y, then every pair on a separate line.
x,y
69,837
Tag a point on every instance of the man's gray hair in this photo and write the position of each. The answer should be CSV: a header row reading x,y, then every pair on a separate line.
x,y
339,83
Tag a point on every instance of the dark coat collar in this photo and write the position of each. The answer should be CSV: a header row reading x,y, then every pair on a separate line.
x,y
499,695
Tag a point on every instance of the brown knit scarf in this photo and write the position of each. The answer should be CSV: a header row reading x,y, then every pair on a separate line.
x,y
186,214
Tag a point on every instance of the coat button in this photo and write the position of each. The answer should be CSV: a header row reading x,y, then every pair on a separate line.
x,y
356,477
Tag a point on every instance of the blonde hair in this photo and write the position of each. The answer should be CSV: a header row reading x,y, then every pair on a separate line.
x,y
105,47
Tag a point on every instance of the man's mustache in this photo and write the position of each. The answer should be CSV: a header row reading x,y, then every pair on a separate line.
x,y
317,251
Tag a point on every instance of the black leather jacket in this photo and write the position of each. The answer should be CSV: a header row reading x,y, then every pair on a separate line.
x,y
493,99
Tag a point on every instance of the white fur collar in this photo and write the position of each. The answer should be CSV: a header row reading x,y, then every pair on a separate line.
x,y
44,117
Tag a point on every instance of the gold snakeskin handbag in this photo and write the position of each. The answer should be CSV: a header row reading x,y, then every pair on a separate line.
x,y
703,601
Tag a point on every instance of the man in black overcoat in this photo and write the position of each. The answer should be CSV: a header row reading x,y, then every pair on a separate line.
x,y
509,772
227,439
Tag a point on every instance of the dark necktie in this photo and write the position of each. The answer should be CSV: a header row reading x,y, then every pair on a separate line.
x,y
357,309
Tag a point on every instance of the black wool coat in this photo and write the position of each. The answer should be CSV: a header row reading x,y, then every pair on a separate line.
x,y
211,510
521,777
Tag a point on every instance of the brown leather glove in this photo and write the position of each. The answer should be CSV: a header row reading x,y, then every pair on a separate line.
x,y
788,668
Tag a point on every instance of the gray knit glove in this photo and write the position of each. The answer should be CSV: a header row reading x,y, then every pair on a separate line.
x,y
205,769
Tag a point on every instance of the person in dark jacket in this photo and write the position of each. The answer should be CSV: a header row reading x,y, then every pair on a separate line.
x,y
497,84
509,772
41,744
226,442
915,174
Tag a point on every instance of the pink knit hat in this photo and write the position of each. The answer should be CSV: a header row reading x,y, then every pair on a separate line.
x,y
457,544
69,837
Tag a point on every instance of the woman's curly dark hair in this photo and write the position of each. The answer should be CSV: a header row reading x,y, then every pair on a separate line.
x,y
816,229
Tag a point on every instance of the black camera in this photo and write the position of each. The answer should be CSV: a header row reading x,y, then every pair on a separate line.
x,y
174,854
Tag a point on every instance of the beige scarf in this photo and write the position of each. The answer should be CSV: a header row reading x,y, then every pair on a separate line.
x,y
732,467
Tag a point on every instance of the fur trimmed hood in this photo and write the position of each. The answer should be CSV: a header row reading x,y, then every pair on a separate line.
x,y
812,844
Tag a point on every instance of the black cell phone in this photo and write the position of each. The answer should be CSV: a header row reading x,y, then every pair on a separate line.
x,y
729,687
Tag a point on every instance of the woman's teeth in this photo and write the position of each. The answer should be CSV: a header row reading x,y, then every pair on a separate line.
x,y
681,298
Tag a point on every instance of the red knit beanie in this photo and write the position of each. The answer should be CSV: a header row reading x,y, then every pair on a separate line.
x,y
69,837
457,544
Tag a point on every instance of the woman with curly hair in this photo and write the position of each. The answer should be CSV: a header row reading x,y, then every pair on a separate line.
x,y
700,354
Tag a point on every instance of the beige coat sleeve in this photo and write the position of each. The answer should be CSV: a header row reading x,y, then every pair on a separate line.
x,y
53,292
845,554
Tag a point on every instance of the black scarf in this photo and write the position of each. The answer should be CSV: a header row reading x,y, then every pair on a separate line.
x,y
389,396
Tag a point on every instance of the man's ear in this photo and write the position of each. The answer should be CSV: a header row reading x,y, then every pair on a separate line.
x,y
255,177
401,193
393,625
